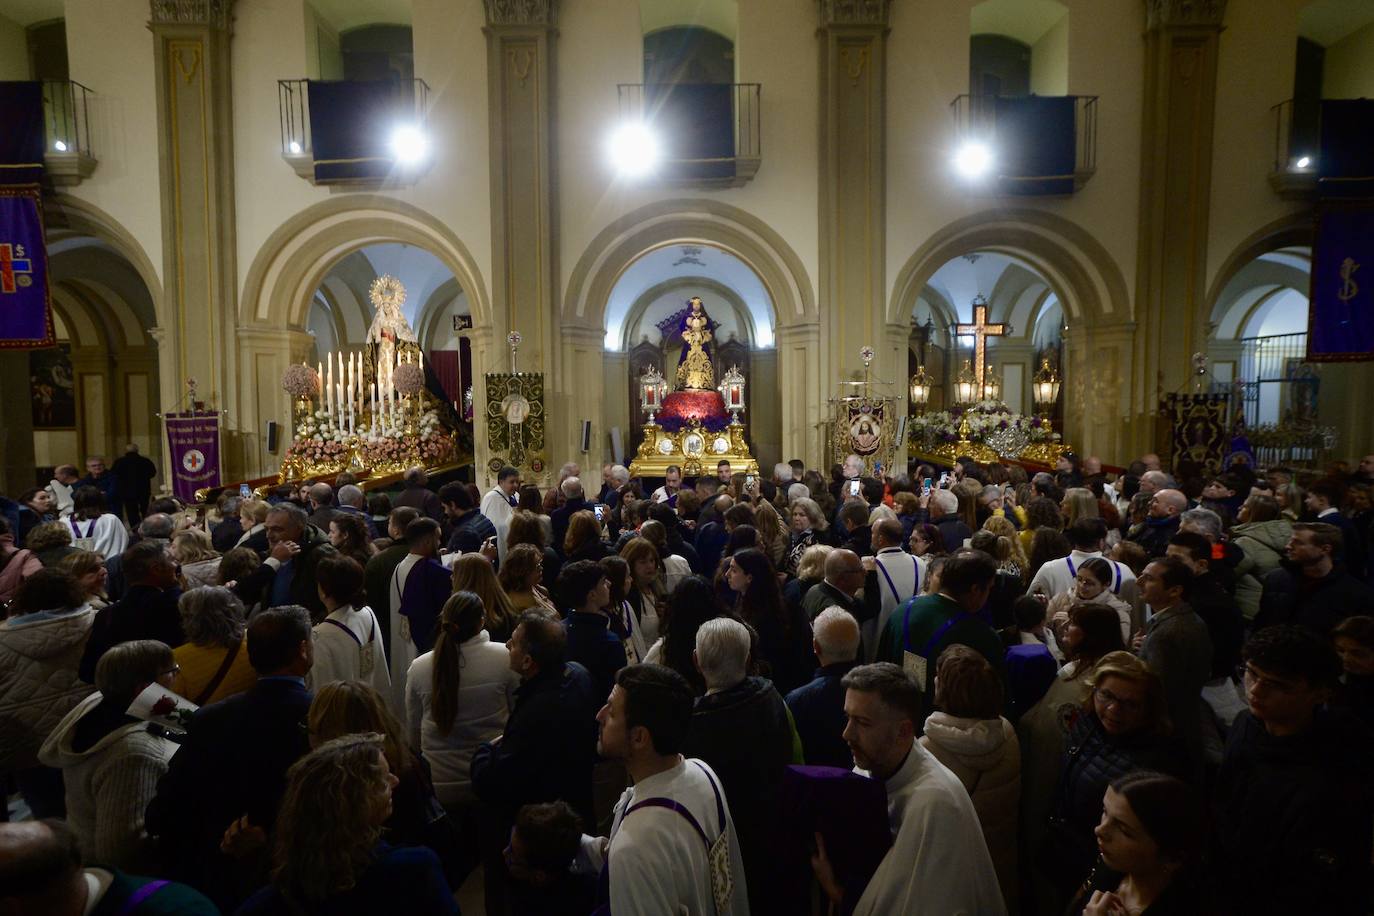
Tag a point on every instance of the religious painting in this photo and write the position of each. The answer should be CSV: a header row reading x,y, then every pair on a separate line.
x,y
865,428
1199,434
52,386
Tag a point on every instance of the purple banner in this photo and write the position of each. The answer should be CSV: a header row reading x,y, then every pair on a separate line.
x,y
25,310
1340,324
194,441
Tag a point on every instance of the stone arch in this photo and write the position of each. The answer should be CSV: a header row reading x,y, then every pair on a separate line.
x,y
293,260
718,292
1087,279
675,222
1293,230
69,217
433,311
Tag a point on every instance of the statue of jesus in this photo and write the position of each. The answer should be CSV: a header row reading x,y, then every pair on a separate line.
x,y
694,369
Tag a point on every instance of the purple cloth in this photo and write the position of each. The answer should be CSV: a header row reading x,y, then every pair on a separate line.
x,y
849,811
427,588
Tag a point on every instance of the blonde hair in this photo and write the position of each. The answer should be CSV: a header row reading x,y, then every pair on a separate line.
x,y
812,562
255,509
81,563
1003,528
472,572
192,545
812,510
1079,502
355,708
768,523
880,513
1128,667
326,830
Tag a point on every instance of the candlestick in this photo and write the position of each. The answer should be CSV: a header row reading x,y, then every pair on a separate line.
x,y
329,390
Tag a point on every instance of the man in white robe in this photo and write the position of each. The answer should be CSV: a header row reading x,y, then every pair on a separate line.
x,y
1087,537
939,861
672,847
499,506
896,574
423,537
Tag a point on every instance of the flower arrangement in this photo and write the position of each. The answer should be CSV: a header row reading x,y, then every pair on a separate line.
x,y
682,408
409,378
300,381
989,422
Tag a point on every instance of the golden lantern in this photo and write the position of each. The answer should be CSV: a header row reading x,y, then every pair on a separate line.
x,y
1045,387
920,389
965,385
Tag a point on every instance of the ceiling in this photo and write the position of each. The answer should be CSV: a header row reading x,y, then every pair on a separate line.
x,y
27,12
1328,21
1025,20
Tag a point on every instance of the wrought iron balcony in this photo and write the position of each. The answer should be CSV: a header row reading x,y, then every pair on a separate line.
x,y
1038,145
1294,171
365,129
709,132
67,156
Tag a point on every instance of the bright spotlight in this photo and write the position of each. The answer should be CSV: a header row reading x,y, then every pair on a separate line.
x,y
295,148
633,149
409,145
973,159
1303,162
60,145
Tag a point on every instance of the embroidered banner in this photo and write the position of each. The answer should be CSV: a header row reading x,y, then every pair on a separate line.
x,y
1341,317
194,441
25,308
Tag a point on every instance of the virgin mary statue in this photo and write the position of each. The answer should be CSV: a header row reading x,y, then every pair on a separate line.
x,y
390,331
694,369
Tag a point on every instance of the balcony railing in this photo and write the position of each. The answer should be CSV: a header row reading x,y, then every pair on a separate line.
x,y
297,140
711,131
1297,135
67,158
1039,144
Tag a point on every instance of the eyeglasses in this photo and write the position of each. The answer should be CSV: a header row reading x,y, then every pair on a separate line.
x,y
174,671
1109,699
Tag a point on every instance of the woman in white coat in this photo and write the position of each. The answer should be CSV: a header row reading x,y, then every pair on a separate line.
x,y
458,696
348,642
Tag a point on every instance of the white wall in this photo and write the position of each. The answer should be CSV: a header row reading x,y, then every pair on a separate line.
x,y
14,51
1254,71
928,50
600,45
1348,70
110,50
1050,61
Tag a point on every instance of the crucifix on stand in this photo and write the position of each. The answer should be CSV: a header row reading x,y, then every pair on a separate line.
x,y
513,338
980,330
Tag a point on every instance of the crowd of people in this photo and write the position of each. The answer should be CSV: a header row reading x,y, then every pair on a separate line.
x,y
962,690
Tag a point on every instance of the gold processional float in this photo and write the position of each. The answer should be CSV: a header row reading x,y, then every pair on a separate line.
x,y
696,425
368,411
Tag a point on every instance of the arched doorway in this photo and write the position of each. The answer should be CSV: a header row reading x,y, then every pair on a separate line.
x,y
638,335
311,272
580,390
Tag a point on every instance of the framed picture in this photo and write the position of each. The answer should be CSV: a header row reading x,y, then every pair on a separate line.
x,y
52,388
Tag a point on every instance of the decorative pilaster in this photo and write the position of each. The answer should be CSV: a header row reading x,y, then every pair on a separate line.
x,y
1175,179
195,158
1097,412
852,185
520,86
799,376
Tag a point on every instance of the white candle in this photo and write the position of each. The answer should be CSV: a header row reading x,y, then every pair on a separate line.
x,y
329,390
319,374
374,408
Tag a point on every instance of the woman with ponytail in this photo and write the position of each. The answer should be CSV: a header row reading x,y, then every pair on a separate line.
x,y
458,696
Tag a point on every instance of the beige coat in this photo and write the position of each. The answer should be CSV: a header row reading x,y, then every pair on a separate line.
x,y
986,757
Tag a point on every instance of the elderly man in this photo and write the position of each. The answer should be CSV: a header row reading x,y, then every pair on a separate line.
x,y
1151,461
353,502
287,576
321,497
741,729
148,609
417,495
157,527
499,505
938,852
944,514
844,577
1092,466
818,707
1151,482
99,477
1161,521
575,500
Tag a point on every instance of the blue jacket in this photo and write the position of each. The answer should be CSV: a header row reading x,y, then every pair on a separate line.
x,y
818,711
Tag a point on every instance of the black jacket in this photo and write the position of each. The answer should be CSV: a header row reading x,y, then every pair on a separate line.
x,y
226,534
1155,535
1217,607
559,518
1319,604
232,762
143,613
744,735
303,590
818,711
596,647
547,749
1294,817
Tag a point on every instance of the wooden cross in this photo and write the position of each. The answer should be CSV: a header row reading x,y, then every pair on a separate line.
x,y
980,331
